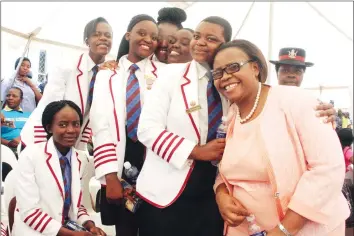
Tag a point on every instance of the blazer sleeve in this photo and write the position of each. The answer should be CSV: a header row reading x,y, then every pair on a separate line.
x,y
82,215
28,198
104,152
152,129
323,179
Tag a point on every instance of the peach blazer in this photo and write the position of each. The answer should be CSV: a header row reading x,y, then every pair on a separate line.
x,y
304,159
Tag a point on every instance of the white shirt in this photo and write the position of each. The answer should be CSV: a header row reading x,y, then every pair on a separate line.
x,y
202,70
139,73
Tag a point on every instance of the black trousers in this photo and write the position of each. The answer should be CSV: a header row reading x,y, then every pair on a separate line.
x,y
185,217
125,222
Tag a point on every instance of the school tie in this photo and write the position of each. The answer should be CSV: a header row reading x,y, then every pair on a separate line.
x,y
65,170
92,85
133,103
214,109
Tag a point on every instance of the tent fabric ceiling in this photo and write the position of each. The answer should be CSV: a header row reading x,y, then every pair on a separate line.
x,y
293,24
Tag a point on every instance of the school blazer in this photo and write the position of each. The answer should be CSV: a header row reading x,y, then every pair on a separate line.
x,y
69,83
303,158
40,191
108,118
169,128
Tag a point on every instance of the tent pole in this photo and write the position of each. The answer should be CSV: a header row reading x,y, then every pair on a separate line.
x,y
31,35
270,42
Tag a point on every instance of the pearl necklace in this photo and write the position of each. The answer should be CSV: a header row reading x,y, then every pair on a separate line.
x,y
254,106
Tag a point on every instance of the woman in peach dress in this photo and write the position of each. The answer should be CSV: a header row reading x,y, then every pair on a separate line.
x,y
281,164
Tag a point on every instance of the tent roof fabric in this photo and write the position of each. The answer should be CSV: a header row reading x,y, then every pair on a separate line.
x,y
323,29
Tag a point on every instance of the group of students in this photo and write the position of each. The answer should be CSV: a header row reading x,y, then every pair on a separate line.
x,y
278,162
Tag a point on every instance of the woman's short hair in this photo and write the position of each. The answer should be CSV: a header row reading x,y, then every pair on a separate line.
x,y
188,29
53,108
90,27
253,53
223,23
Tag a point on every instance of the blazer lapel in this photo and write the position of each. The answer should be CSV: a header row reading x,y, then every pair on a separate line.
x,y
82,81
154,68
54,165
189,88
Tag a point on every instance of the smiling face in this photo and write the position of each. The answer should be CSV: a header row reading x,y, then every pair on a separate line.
x,y
100,42
239,86
206,39
178,49
165,31
65,127
142,40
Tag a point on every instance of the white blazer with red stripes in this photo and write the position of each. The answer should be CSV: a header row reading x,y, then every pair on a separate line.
x,y
3,229
40,192
108,115
70,83
170,133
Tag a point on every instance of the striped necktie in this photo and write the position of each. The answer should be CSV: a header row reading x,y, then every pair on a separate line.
x,y
133,103
214,109
92,85
66,172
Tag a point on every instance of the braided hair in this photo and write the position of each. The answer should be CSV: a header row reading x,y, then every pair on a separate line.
x,y
52,109
124,44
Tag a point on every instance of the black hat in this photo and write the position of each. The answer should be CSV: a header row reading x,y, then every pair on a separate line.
x,y
292,56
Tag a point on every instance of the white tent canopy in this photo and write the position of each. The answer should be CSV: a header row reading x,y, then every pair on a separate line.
x,y
324,30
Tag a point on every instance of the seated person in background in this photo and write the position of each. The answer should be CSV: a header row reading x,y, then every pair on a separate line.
x,y
14,118
31,94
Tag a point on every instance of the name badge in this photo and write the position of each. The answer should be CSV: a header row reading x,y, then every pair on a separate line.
x,y
193,109
150,79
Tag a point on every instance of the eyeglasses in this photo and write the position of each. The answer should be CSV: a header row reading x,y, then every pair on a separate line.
x,y
229,69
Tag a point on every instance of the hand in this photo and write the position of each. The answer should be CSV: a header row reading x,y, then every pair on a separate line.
x,y
109,65
13,143
231,209
212,151
326,110
2,117
25,80
114,189
97,231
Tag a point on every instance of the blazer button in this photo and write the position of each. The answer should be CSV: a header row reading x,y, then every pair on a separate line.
x,y
276,195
